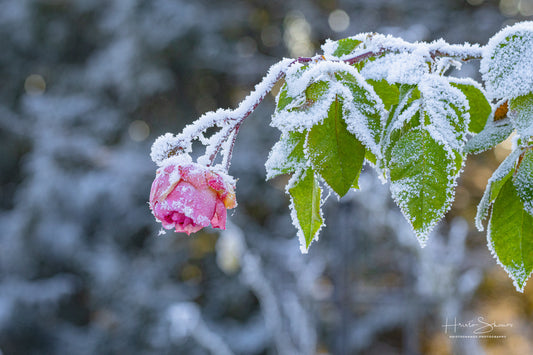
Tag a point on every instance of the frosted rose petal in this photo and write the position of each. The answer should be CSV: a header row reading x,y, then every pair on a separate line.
x,y
193,203
190,197
194,175
162,185
219,218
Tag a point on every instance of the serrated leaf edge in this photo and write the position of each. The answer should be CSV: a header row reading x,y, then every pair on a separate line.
x,y
423,236
507,270
499,173
304,248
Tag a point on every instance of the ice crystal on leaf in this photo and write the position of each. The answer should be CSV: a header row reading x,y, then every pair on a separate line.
x,y
446,110
421,182
502,174
403,68
508,61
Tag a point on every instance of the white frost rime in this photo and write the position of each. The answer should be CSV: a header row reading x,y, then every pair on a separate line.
x,y
507,62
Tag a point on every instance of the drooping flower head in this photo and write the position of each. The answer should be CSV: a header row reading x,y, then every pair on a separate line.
x,y
188,196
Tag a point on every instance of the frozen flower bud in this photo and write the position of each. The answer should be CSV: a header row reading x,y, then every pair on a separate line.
x,y
188,197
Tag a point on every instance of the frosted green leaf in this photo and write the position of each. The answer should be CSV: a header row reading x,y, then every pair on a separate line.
x,y
402,117
521,114
421,180
370,157
499,177
345,46
355,183
367,111
305,196
524,181
444,110
458,159
287,155
401,68
510,235
507,63
283,98
494,133
389,93
497,184
479,106
335,153
316,90
285,101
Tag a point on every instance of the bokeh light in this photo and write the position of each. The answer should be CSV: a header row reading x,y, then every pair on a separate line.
x,y
526,7
34,84
297,35
339,20
138,130
509,7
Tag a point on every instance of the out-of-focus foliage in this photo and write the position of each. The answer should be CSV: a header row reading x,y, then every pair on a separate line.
x,y
87,85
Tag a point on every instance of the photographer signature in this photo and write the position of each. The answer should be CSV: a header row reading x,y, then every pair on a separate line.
x,y
480,327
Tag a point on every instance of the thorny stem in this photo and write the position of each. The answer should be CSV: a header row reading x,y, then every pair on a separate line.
x,y
474,53
238,121
227,158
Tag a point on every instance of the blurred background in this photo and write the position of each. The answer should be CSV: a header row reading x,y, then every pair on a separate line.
x,y
85,88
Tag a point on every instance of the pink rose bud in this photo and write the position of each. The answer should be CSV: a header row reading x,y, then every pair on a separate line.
x,y
190,196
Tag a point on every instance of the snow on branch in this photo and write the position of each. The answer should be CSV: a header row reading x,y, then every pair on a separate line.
x,y
229,121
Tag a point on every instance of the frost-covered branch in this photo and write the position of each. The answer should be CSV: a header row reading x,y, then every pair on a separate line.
x,y
230,120
379,99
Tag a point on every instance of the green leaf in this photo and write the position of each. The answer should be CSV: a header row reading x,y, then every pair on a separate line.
x,y
521,114
421,180
524,181
408,97
364,118
458,159
499,177
287,155
345,46
370,157
335,153
510,235
305,206
493,134
316,90
445,109
389,94
479,106
497,184
362,107
507,63
286,102
402,117
355,184
283,98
